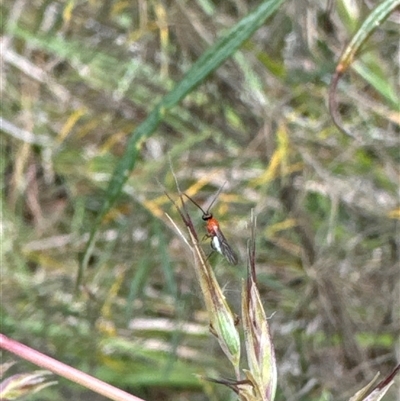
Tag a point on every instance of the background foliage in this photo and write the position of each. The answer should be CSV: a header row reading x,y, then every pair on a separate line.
x,y
78,77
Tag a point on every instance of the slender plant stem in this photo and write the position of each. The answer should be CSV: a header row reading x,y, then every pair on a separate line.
x,y
64,370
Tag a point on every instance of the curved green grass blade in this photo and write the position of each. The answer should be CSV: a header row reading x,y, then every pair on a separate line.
x,y
208,62
373,21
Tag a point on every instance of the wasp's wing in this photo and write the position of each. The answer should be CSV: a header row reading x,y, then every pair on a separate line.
x,y
220,244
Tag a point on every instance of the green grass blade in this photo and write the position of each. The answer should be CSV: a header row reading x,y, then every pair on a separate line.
x,y
208,62
373,21
379,82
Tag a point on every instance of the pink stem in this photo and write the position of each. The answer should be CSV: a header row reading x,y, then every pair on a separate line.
x,y
64,370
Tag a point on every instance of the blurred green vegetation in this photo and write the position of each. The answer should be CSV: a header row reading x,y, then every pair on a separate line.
x,y
79,77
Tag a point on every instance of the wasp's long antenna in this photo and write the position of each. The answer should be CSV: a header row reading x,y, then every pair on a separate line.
x,y
215,197
196,204
207,212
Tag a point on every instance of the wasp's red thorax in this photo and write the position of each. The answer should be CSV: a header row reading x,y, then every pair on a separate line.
x,y
212,225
